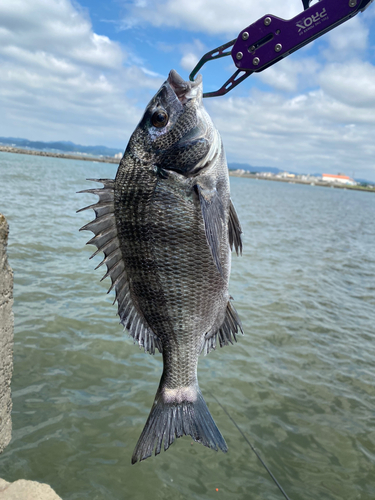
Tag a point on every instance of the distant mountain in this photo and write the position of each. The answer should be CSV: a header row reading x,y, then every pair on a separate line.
x,y
364,181
61,146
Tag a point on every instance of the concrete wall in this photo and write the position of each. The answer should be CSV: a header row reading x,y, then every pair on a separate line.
x,y
6,337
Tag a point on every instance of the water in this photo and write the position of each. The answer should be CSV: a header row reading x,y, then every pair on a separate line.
x,y
300,383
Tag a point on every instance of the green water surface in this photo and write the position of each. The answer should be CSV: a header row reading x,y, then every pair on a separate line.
x,y
299,383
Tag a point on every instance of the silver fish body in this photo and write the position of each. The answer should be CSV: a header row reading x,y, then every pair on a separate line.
x,y
166,225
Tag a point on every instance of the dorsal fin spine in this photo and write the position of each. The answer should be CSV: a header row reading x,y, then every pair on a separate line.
x,y
108,258
102,234
104,248
109,270
117,280
91,226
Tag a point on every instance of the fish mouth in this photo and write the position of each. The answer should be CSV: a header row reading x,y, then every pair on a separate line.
x,y
185,90
203,131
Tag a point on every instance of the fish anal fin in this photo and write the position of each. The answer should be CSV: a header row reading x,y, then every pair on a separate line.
x,y
106,241
226,333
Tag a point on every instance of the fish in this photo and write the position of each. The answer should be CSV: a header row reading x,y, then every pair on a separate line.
x,y
167,226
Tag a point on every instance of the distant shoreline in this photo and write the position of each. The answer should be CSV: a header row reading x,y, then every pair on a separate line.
x,y
108,159
299,181
67,156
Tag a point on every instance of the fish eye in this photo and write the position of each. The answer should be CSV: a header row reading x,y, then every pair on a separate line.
x,y
159,118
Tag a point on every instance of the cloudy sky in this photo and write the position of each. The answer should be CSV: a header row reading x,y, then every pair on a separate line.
x,y
84,71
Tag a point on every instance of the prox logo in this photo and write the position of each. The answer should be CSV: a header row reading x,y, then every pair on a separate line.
x,y
310,22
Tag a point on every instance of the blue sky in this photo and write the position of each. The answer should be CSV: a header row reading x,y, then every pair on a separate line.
x,y
85,70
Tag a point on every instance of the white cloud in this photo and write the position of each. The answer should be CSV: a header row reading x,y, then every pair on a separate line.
x,y
189,61
351,83
347,41
311,132
55,26
61,80
290,74
208,16
192,52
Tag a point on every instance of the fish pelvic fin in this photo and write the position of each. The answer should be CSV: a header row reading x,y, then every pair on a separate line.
x,y
106,240
169,420
226,334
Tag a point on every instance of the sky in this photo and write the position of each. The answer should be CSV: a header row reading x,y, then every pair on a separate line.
x,y
84,71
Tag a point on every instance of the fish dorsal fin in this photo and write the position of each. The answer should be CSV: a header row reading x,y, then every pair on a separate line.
x,y
226,333
214,220
235,230
106,241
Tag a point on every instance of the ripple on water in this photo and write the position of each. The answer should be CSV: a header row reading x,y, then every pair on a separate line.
x,y
300,382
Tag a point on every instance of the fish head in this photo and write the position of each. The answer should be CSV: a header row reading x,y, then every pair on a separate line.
x,y
177,131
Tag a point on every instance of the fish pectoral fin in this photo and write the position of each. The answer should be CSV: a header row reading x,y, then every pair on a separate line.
x,y
235,230
226,333
214,220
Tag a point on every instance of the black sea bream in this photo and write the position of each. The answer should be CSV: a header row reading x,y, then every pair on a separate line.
x,y
166,225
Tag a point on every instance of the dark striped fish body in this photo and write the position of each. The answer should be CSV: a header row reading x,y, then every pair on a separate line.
x,y
166,226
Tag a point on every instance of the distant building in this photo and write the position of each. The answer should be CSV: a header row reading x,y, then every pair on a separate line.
x,y
341,179
118,156
285,175
308,178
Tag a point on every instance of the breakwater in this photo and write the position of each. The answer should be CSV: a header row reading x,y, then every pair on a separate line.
x,y
68,156
6,337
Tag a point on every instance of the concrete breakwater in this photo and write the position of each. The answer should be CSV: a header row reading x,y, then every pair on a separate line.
x,y
6,337
69,156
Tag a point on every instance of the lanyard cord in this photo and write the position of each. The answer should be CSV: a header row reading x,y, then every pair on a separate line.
x,y
252,447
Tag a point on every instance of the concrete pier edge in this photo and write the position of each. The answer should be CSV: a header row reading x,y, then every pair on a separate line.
x,y
6,337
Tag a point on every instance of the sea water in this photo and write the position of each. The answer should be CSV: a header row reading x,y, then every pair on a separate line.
x,y
299,383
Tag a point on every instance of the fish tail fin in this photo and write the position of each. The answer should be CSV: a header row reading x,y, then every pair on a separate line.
x,y
170,420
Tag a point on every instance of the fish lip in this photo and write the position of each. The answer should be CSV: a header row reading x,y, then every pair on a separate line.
x,y
185,90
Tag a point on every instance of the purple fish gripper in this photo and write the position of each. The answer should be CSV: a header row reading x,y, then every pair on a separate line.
x,y
270,39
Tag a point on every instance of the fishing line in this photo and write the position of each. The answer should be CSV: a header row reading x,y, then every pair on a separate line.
x,y
252,447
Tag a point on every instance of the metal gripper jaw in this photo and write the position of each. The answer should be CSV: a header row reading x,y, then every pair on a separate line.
x,y
306,4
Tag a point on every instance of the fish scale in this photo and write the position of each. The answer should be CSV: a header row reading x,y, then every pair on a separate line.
x,y
135,237
166,226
